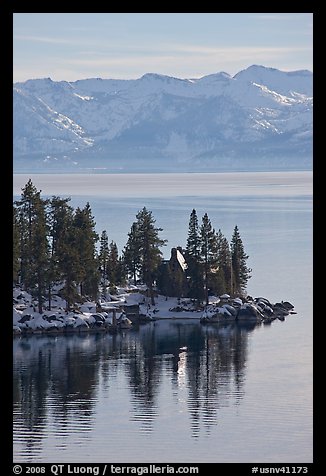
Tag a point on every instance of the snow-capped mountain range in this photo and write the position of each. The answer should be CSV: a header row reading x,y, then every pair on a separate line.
x,y
261,117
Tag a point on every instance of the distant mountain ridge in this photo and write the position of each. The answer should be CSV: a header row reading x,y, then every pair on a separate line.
x,y
259,118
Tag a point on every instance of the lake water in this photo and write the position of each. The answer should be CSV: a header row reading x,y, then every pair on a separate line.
x,y
237,394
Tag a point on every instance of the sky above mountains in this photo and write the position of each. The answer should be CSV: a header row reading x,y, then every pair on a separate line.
x,y
71,46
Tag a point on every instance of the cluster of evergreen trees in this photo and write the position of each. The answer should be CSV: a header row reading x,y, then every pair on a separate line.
x,y
55,244
214,265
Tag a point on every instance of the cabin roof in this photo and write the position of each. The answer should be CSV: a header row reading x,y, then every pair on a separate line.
x,y
181,260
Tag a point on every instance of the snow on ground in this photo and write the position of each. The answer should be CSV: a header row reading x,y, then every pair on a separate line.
x,y
99,316
171,308
86,315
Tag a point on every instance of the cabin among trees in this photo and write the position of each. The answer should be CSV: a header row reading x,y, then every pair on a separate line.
x,y
55,249
172,275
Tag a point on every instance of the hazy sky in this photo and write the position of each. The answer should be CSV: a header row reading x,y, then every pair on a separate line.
x,y
70,46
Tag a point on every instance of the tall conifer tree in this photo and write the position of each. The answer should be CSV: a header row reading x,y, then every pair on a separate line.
x,y
60,219
193,259
103,258
114,265
224,264
85,242
16,246
131,256
240,270
150,244
208,251
34,250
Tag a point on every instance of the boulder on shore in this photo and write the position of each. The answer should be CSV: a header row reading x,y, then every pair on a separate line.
x,y
248,310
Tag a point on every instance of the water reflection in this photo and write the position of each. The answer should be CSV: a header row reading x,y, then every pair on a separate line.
x,y
167,366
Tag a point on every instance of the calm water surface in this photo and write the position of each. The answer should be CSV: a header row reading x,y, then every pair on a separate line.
x,y
236,395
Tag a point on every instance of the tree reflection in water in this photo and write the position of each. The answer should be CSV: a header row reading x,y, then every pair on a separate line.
x,y
58,380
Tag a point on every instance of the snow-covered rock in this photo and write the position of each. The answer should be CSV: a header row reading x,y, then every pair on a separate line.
x,y
213,313
37,323
221,309
80,323
249,312
17,315
225,296
88,306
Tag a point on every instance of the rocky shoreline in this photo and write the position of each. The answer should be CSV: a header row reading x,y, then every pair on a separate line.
x,y
249,310
131,308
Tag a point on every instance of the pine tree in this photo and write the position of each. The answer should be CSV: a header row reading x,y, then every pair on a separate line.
x,y
121,272
85,242
41,252
33,228
16,246
208,254
240,270
193,251
150,243
224,264
103,258
69,265
131,254
76,255
193,240
113,265
25,220
60,219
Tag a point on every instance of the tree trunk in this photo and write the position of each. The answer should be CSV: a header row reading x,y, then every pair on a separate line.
x,y
151,293
206,284
67,292
49,296
40,307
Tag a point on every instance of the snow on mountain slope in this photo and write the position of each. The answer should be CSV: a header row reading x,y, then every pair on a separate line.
x,y
260,112
283,82
38,126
